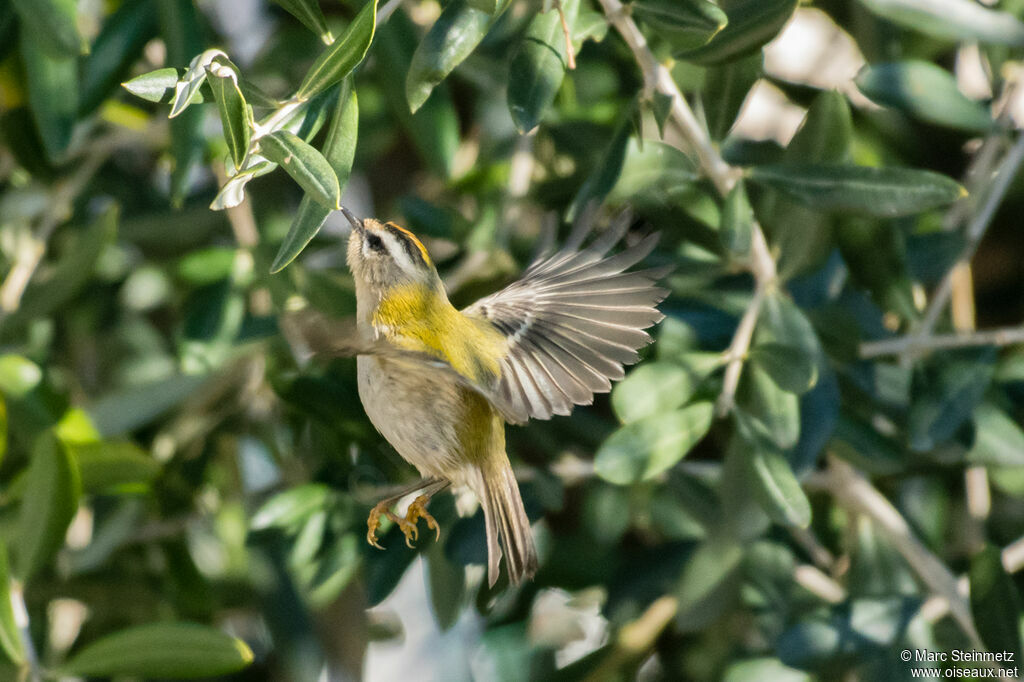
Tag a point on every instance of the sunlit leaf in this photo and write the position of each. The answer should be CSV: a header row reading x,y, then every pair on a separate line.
x,y
645,448
305,164
154,86
684,23
878,192
113,466
311,16
751,24
235,114
537,66
924,91
179,650
338,60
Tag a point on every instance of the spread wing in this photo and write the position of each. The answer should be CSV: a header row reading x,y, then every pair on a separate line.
x,y
572,322
310,332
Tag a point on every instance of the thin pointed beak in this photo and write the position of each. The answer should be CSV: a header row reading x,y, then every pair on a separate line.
x,y
357,224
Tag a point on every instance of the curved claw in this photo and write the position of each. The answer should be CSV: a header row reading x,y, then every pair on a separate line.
x,y
418,510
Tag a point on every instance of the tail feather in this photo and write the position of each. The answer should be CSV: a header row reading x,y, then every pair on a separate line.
x,y
508,525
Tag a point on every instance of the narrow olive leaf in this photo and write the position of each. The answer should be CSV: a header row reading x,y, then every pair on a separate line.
x,y
945,395
339,150
661,107
772,480
235,114
773,411
54,26
178,650
434,128
114,466
655,173
685,24
726,87
714,561
233,191
952,19
291,507
343,55
995,602
925,91
825,134
538,66
998,439
181,32
604,177
751,24
52,94
305,164
451,39
53,485
789,367
155,86
10,636
311,16
862,190
120,42
737,222
643,449
489,6
187,90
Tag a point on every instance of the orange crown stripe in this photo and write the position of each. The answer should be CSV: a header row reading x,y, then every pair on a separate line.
x,y
411,236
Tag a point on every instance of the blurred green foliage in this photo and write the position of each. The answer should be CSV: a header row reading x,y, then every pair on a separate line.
x,y
790,484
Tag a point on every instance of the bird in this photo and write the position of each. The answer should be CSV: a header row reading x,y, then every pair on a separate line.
x,y
440,384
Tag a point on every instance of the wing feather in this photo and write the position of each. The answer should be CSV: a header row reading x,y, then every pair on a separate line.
x,y
573,321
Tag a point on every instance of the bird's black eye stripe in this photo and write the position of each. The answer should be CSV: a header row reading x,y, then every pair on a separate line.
x,y
376,243
403,239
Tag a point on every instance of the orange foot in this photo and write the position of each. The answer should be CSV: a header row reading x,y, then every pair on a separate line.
x,y
417,510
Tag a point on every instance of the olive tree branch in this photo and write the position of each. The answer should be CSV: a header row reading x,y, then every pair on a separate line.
x,y
724,177
854,492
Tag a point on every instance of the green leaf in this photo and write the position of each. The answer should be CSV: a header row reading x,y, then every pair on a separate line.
x,y
489,6
998,439
311,16
154,86
114,466
826,132
18,375
877,192
995,602
233,191
119,44
291,507
790,368
182,32
726,87
859,443
643,449
661,108
774,411
434,128
685,24
126,410
451,39
340,58
69,275
945,395
235,114
339,150
52,94
772,480
926,92
52,488
737,222
180,650
54,26
714,562
751,24
10,636
952,19
654,173
538,66
765,668
305,164
603,178
662,386
186,92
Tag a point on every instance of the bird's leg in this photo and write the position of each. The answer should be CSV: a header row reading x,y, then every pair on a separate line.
x,y
417,510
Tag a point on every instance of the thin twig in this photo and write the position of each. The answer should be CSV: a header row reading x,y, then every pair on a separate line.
x,y
855,492
724,177
21,620
60,208
975,231
570,54
901,345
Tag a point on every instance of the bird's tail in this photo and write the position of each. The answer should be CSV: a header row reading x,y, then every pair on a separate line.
x,y
506,523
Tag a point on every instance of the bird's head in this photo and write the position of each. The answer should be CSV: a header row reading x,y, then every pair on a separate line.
x,y
384,256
